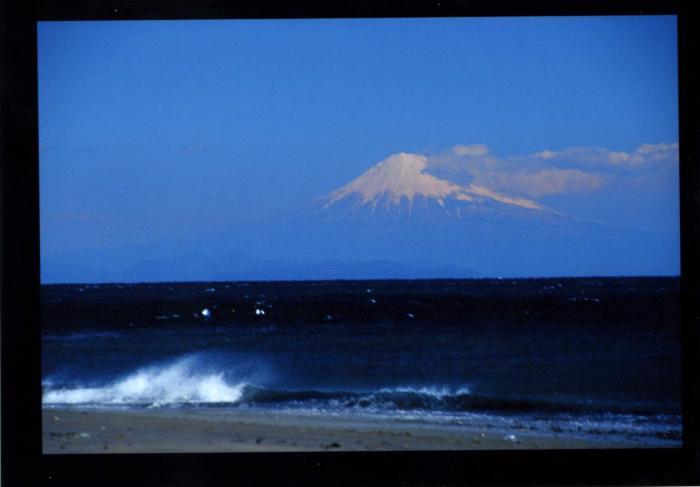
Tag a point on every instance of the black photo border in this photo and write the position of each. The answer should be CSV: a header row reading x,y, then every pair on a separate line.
x,y
22,460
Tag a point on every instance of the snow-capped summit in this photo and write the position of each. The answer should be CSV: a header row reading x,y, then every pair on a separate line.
x,y
398,176
401,181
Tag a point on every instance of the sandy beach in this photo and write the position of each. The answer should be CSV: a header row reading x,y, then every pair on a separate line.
x,y
192,431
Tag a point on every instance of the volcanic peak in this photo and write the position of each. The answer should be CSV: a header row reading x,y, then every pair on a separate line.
x,y
403,176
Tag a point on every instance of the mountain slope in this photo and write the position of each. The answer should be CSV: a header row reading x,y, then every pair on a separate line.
x,y
396,220
400,184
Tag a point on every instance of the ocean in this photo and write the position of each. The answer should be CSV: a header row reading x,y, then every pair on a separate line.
x,y
583,357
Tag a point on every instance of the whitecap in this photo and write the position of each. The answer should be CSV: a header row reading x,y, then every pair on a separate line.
x,y
437,392
176,383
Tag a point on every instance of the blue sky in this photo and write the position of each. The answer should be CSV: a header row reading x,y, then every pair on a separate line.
x,y
165,130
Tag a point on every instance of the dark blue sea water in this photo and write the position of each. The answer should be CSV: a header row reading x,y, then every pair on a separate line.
x,y
570,356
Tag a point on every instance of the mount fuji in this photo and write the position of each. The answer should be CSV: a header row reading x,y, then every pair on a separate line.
x,y
397,220
401,186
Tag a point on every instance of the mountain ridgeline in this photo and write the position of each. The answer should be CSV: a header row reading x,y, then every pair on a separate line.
x,y
399,186
394,221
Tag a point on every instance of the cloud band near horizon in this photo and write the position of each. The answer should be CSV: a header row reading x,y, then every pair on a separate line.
x,y
572,170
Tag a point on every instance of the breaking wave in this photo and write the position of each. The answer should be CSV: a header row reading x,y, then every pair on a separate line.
x,y
198,380
205,381
181,382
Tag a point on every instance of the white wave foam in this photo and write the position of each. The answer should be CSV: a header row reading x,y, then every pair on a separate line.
x,y
437,392
177,383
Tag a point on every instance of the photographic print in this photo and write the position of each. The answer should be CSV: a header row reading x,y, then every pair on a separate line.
x,y
359,234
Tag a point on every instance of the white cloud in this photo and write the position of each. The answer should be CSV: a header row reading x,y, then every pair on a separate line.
x,y
543,183
618,157
657,148
656,153
471,150
645,155
545,154
572,170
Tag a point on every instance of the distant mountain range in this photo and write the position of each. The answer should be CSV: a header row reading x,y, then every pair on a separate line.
x,y
396,220
238,267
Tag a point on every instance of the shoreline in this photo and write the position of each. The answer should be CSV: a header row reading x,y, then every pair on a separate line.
x,y
67,430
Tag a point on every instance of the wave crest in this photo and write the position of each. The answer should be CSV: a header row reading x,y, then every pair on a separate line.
x,y
176,383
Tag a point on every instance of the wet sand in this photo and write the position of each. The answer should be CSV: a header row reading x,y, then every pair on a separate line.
x,y
194,431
